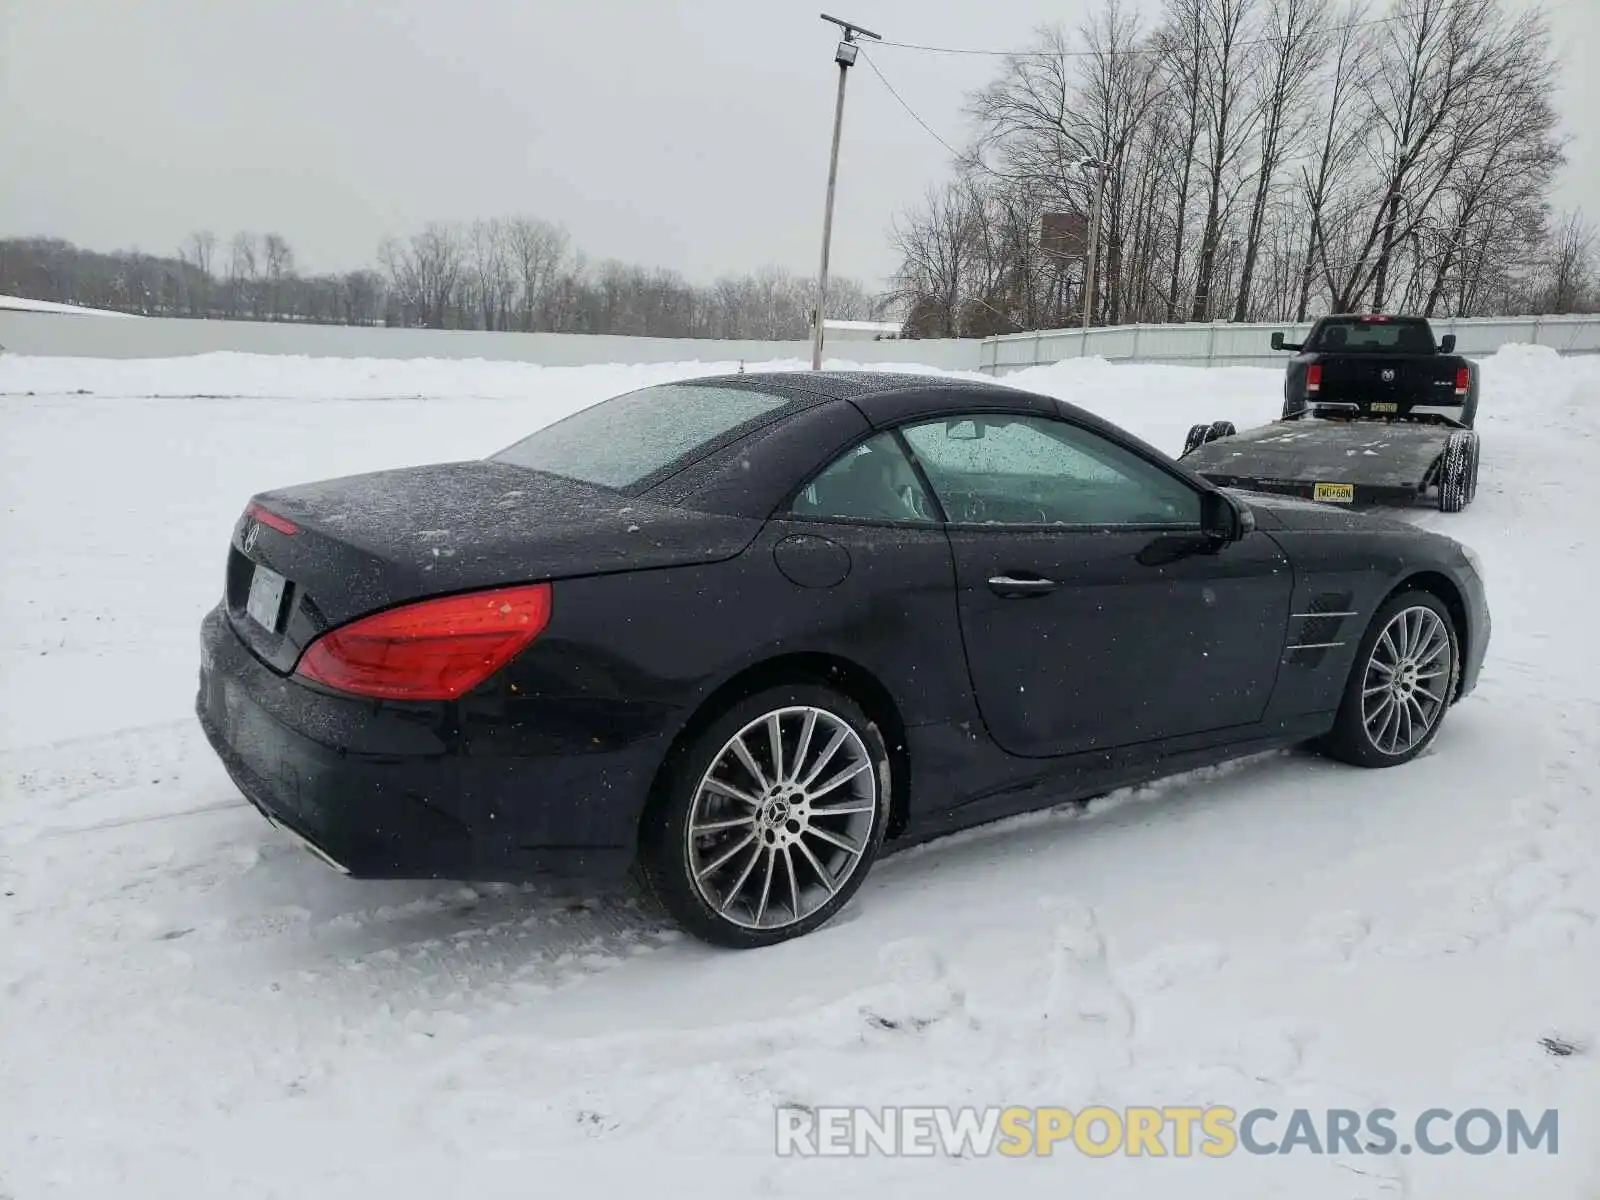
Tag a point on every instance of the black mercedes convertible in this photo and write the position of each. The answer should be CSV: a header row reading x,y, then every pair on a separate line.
x,y
733,634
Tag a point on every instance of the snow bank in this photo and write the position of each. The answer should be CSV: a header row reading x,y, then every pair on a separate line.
x,y
192,1007
23,304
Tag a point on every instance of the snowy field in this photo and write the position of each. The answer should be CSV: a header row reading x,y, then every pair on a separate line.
x,y
190,1006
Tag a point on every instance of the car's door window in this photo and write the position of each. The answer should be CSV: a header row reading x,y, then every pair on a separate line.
x,y
1017,470
872,482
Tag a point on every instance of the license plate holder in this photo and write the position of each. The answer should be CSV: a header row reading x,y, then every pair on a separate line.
x,y
1334,493
265,603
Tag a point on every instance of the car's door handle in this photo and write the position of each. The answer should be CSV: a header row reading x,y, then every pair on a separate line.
x,y
1012,587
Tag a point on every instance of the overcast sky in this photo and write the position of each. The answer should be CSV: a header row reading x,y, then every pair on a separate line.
x,y
690,134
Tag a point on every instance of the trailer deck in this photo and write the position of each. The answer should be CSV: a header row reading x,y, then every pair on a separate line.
x,y
1339,462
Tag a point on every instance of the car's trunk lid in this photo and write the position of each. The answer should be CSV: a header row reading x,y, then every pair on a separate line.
x,y
366,542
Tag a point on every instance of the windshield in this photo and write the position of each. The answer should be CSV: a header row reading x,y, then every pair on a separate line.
x,y
620,442
1365,335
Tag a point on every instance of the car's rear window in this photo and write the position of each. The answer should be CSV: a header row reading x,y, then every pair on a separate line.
x,y
623,441
1375,337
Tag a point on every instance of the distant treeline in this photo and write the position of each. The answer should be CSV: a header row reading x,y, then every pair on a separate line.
x,y
517,273
1263,160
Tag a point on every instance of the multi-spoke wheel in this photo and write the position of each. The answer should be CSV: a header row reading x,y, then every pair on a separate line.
x,y
771,820
1401,684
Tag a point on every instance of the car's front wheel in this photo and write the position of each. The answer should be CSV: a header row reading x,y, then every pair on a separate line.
x,y
1400,686
770,818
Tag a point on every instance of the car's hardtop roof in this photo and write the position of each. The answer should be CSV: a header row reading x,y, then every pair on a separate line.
x,y
886,396
846,385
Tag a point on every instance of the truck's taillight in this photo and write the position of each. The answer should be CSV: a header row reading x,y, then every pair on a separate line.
x,y
1463,380
431,650
270,519
1314,377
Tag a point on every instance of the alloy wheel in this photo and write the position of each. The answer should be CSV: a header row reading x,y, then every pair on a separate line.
x,y
781,819
1406,683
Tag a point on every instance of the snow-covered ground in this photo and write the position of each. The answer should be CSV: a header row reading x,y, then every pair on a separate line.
x,y
190,1006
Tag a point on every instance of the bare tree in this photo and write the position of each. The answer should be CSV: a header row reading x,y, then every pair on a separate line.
x,y
243,269
1344,78
493,277
278,261
1227,123
537,250
936,243
424,273
1295,47
1570,267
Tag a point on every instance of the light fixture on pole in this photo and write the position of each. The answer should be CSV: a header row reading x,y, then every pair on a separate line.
x,y
1091,265
845,56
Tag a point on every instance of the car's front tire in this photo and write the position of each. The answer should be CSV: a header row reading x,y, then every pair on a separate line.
x,y
769,819
1401,685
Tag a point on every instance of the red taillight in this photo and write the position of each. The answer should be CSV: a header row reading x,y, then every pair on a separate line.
x,y
270,519
1463,380
432,650
1314,377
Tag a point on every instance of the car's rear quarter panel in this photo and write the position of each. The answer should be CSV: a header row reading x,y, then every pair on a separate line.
x,y
628,659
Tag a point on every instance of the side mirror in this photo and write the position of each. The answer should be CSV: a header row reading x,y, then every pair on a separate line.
x,y
1277,341
1224,518
1447,344
1279,344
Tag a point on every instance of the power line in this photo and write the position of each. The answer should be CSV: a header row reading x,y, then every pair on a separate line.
x,y
954,153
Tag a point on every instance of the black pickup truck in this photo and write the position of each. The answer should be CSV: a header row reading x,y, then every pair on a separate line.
x,y
1374,412
1378,366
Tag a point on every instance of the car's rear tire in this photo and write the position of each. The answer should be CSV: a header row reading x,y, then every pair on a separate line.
x,y
769,818
1196,438
1457,468
1400,685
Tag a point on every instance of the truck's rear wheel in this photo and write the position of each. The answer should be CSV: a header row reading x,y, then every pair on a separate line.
x,y
1457,469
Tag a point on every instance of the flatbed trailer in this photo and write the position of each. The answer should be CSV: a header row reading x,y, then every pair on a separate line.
x,y
1352,462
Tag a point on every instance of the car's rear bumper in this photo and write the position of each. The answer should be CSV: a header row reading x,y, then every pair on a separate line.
x,y
396,792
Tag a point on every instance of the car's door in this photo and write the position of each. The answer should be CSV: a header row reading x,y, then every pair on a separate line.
x,y
1094,612
874,577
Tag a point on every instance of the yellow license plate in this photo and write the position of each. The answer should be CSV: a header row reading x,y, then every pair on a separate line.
x,y
1385,406
1334,493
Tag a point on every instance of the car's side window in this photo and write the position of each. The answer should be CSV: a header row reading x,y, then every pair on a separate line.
x,y
871,482
1018,470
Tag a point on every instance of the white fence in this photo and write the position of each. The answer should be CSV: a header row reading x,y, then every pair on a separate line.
x,y
1221,344
86,335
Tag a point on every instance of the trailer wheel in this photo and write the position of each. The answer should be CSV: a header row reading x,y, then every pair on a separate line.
x,y
1456,470
1196,438
1221,429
